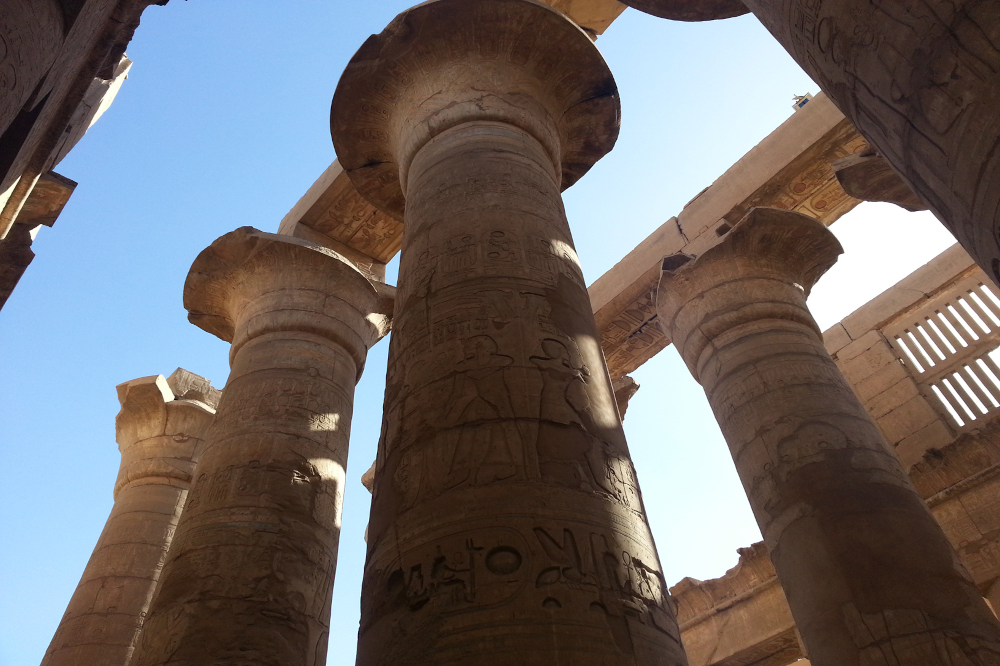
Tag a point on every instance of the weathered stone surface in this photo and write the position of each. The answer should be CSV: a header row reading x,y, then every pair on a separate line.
x,y
922,84
506,524
691,10
160,436
250,574
870,178
863,564
960,481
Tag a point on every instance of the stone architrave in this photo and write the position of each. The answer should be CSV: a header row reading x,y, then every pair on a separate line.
x,y
866,569
250,574
507,525
160,434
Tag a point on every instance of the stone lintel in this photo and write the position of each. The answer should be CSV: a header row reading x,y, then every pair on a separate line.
x,y
341,219
186,385
43,207
790,169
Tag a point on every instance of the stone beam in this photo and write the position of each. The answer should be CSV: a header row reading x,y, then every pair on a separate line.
x,y
333,214
790,169
44,205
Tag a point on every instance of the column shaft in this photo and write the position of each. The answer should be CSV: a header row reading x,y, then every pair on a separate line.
x,y
160,438
868,573
250,575
509,477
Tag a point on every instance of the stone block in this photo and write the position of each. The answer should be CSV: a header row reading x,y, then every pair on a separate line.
x,y
910,417
836,338
876,357
911,449
898,394
880,381
859,346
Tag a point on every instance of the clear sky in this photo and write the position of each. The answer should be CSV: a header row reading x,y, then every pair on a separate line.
x,y
224,123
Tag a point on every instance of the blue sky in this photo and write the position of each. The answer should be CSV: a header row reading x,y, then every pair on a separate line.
x,y
224,123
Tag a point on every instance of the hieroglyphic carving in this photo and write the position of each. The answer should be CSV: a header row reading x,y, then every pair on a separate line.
x,y
504,494
334,208
259,535
808,185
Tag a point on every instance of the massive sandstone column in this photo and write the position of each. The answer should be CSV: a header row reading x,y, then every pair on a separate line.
x,y
160,431
869,575
920,81
507,525
250,573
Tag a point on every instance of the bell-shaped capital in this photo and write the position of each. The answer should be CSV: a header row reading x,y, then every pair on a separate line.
x,y
448,62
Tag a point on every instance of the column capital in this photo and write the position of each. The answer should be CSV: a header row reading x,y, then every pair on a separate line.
x,y
764,268
448,62
690,10
158,433
249,283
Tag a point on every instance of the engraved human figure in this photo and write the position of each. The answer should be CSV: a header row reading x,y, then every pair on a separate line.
x,y
480,406
565,441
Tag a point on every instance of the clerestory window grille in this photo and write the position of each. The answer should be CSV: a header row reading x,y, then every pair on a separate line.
x,y
952,346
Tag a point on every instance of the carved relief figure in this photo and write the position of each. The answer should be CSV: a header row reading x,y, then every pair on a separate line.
x,y
488,442
567,451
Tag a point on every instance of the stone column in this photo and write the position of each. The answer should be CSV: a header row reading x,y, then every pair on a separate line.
x,y
250,573
160,430
869,575
507,525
